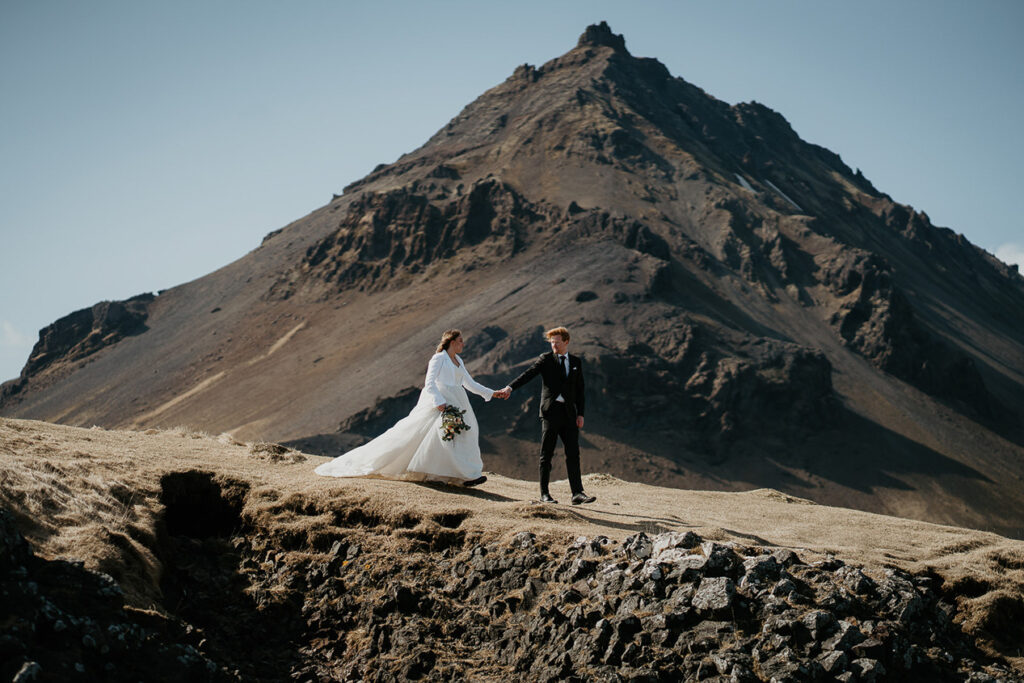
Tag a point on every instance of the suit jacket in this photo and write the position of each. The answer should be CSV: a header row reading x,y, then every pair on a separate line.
x,y
555,382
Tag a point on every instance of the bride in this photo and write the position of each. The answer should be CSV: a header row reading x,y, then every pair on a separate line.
x,y
413,449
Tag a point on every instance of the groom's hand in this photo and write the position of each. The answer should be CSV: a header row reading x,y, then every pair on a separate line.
x,y
579,422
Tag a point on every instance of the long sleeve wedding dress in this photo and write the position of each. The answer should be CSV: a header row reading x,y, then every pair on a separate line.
x,y
413,449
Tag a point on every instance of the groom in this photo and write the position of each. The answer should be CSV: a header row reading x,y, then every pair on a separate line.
x,y
561,410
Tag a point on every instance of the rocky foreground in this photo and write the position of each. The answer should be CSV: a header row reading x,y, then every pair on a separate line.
x,y
668,608
228,561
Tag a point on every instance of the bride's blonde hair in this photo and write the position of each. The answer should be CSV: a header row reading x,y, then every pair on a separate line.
x,y
446,339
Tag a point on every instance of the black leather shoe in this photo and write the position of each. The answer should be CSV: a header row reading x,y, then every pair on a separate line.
x,y
581,498
546,498
474,482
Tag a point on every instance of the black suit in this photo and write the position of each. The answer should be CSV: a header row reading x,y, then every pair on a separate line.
x,y
558,418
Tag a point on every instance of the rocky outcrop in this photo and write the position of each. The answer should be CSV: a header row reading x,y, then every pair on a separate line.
x,y
337,602
248,580
631,233
711,393
384,235
876,319
85,332
80,334
601,34
62,622
679,607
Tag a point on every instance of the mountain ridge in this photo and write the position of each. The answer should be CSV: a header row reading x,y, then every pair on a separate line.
x,y
762,312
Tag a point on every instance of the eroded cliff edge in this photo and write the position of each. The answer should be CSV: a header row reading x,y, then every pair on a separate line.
x,y
215,560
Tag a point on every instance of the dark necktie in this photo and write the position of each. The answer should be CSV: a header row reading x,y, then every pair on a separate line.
x,y
565,369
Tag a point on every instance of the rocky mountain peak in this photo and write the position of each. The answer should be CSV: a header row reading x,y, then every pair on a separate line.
x,y
742,291
601,35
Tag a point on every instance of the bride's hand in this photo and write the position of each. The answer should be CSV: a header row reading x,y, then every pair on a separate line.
x,y
441,407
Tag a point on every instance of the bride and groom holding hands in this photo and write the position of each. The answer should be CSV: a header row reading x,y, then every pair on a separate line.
x,y
439,439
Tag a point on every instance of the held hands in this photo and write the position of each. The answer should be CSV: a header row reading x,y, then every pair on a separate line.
x,y
503,393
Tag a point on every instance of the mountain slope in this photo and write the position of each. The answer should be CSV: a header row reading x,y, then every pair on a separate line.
x,y
751,311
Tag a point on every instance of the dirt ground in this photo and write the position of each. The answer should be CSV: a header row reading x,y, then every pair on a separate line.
x,y
95,495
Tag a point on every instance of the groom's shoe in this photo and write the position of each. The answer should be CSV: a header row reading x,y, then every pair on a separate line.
x,y
581,498
474,482
546,498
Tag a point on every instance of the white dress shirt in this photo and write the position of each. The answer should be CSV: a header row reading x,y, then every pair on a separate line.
x,y
563,363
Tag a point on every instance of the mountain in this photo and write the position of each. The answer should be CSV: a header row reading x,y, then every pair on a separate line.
x,y
751,311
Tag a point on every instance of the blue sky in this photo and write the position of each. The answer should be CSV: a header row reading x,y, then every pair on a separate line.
x,y
145,144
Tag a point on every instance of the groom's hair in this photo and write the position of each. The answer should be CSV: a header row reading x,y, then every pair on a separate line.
x,y
561,331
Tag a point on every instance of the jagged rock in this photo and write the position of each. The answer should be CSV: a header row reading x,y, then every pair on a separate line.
x,y
579,569
876,319
403,231
86,331
855,580
524,539
847,636
833,663
786,557
598,35
521,599
79,335
720,559
786,665
64,622
868,670
760,570
638,546
670,540
714,594
819,624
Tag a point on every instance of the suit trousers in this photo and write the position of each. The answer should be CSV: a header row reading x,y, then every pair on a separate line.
x,y
558,424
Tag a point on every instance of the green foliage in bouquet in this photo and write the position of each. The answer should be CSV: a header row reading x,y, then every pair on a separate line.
x,y
452,423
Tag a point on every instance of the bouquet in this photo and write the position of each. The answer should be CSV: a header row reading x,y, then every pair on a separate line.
x,y
452,423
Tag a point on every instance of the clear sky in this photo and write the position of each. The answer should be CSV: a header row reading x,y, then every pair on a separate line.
x,y
144,144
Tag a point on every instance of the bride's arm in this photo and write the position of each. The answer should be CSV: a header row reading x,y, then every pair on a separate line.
x,y
430,383
476,387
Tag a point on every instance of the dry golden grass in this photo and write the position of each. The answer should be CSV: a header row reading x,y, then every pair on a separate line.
x,y
94,495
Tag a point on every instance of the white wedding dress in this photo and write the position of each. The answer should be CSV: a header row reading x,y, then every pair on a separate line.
x,y
413,449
